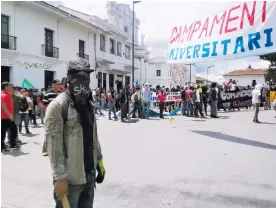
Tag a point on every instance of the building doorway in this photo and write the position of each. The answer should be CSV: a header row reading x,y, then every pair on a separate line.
x,y
111,81
104,81
119,82
5,74
48,79
100,79
127,80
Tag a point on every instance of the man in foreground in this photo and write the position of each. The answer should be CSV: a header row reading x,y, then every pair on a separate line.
x,y
73,145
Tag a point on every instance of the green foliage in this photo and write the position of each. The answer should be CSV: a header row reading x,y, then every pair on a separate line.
x,y
271,75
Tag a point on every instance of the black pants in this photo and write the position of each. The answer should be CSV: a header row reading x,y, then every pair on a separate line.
x,y
32,115
137,107
198,108
124,108
161,107
80,196
5,125
204,100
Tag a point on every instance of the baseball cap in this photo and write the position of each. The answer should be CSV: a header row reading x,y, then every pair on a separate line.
x,y
79,64
22,90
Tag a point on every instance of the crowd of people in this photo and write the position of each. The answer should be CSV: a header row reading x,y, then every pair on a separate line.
x,y
30,104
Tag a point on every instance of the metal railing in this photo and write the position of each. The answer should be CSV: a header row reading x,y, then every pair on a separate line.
x,y
82,55
50,51
8,42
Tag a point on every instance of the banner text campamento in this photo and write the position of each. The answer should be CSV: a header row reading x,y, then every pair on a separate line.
x,y
205,50
229,21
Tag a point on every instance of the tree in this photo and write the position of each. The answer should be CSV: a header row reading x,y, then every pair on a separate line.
x,y
271,72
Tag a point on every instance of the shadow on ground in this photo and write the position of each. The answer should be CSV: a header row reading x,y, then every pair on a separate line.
x,y
15,153
29,135
230,199
239,140
133,120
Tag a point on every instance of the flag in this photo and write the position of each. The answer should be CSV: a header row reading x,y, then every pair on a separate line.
x,y
136,2
27,84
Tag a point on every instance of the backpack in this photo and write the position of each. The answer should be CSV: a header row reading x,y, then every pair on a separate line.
x,y
23,104
193,98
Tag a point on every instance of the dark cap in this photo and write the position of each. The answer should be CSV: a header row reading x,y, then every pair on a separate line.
x,y
79,64
56,81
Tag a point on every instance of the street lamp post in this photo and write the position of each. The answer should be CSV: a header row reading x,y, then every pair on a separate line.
x,y
190,79
208,72
133,24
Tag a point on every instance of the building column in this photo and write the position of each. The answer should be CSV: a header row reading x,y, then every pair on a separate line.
x,y
107,81
146,70
107,43
142,71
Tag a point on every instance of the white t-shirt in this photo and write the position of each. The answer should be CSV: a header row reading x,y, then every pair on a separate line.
x,y
93,93
255,96
29,101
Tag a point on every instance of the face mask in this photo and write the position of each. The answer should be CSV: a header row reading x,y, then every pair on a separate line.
x,y
79,88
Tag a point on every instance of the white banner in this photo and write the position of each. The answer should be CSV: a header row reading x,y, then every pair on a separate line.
x,y
244,29
170,97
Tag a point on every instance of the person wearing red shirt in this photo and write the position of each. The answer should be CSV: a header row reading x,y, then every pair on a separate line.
x,y
189,104
161,98
7,118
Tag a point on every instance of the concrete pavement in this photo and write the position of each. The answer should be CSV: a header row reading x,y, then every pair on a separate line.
x,y
227,162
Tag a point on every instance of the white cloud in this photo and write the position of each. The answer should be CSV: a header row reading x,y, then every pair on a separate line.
x,y
157,18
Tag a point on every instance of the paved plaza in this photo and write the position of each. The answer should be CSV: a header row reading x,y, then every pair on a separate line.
x,y
226,162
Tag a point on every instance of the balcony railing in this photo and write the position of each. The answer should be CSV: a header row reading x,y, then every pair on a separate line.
x,y
50,51
82,55
8,42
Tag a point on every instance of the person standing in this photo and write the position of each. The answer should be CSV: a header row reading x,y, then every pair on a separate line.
x,y
16,101
213,95
189,103
32,109
123,99
205,98
7,117
25,103
136,99
111,104
197,104
73,145
256,101
161,99
146,99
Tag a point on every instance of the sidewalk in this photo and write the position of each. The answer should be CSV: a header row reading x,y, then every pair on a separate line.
x,y
227,162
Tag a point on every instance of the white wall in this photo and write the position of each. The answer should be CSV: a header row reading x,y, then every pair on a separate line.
x,y
27,23
162,80
247,79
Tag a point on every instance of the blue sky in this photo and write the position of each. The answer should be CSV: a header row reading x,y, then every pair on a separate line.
x,y
157,18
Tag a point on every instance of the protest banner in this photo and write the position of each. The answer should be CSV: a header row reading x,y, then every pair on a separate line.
x,y
244,29
170,97
235,98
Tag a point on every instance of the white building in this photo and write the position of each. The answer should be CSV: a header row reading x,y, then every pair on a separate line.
x,y
39,39
245,77
168,75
